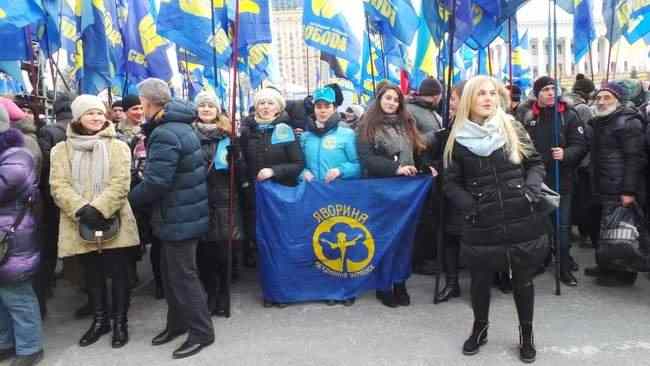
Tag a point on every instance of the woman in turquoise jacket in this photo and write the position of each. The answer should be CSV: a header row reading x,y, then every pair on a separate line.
x,y
330,150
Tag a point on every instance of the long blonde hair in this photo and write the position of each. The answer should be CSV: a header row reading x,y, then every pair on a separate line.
x,y
518,144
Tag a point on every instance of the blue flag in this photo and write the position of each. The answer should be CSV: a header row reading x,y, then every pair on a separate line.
x,y
583,28
638,24
521,73
485,27
18,14
395,17
327,29
335,241
257,63
254,22
426,55
188,23
437,13
145,49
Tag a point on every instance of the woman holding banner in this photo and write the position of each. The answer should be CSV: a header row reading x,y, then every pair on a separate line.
x,y
271,150
389,145
494,176
214,131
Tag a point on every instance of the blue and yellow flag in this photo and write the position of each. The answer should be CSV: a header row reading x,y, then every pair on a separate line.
x,y
335,241
639,20
485,27
254,22
437,16
327,29
18,14
521,73
145,49
257,63
396,17
188,23
426,55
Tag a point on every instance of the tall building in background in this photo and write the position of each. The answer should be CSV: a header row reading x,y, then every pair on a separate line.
x,y
299,65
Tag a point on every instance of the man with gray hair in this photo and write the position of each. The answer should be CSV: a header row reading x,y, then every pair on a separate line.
x,y
174,188
618,161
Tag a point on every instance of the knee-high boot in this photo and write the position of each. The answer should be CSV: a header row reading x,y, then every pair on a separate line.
x,y
121,298
101,323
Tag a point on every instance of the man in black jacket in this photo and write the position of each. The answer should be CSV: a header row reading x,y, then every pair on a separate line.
x,y
538,117
618,161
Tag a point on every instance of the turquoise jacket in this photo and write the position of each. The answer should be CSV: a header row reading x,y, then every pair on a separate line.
x,y
332,147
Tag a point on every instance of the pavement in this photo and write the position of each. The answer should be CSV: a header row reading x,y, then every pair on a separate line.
x,y
586,325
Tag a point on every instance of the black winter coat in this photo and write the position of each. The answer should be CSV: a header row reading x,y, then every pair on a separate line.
x,y
618,156
539,124
219,189
501,226
174,183
286,159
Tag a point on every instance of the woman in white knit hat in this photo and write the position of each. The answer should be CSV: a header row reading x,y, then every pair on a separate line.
x,y
90,179
271,150
214,130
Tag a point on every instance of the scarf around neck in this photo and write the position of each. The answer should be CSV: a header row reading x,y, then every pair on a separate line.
x,y
482,140
90,161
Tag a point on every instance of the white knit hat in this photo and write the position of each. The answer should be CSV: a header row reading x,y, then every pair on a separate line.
x,y
206,97
270,94
84,103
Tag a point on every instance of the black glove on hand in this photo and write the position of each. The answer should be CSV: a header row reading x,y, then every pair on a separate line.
x,y
88,215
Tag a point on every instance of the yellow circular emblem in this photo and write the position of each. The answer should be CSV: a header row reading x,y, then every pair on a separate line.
x,y
329,143
343,244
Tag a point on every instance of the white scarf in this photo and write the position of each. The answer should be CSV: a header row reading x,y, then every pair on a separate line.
x,y
482,140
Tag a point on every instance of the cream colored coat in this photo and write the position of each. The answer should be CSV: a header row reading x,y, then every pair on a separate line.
x,y
114,198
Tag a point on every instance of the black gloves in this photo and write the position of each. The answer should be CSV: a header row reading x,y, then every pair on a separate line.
x,y
90,216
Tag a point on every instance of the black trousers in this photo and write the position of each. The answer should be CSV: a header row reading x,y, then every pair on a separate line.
x,y
213,269
113,263
522,289
187,308
452,252
154,257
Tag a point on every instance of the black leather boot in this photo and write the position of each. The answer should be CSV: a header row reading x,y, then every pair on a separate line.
x,y
120,331
451,289
387,298
402,297
98,328
476,339
527,352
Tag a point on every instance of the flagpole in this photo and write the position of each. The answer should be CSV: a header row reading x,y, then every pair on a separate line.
x,y
609,39
510,50
591,62
188,80
233,123
489,52
372,62
556,142
307,68
215,68
383,54
440,250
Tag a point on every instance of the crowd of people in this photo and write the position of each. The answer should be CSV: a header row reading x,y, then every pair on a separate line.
x,y
104,184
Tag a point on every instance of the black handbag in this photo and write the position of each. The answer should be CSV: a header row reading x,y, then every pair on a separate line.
x,y
99,237
6,235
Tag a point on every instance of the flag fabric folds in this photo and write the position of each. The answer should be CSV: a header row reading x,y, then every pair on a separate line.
x,y
393,17
254,22
334,241
327,29
583,28
188,23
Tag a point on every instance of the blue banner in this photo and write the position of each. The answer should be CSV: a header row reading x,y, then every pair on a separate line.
x,y
395,17
335,241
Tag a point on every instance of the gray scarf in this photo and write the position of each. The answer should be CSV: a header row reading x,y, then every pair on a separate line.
x,y
394,141
89,161
484,139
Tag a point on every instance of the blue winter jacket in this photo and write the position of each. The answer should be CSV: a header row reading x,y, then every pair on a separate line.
x,y
331,147
174,181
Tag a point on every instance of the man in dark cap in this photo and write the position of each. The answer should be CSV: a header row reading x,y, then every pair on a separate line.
x,y
130,128
422,107
538,117
618,161
515,98
117,113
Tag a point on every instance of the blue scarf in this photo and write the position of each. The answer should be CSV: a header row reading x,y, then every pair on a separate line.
x,y
481,140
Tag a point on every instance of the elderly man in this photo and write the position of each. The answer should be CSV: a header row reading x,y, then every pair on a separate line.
x,y
174,187
618,160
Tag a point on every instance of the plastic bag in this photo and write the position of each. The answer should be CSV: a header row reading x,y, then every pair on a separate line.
x,y
623,242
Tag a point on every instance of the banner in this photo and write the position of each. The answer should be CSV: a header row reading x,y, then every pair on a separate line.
x,y
335,241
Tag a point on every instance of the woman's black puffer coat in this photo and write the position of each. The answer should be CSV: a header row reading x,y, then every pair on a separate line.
x,y
501,227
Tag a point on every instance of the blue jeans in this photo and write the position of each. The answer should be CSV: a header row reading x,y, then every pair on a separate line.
x,y
564,243
20,319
